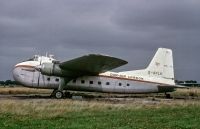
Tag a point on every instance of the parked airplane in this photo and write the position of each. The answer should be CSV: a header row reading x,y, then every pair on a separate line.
x,y
91,73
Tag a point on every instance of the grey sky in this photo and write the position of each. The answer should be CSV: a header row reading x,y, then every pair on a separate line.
x,y
128,29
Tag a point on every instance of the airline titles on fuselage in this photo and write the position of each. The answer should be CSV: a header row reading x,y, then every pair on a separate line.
x,y
125,76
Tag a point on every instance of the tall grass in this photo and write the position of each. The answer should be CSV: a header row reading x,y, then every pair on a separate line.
x,y
23,90
53,107
192,91
136,113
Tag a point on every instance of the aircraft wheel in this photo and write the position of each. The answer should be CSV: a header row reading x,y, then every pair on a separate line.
x,y
58,94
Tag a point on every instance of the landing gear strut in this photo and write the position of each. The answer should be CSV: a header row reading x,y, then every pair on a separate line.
x,y
59,94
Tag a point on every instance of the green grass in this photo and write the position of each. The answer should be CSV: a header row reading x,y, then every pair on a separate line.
x,y
75,114
108,118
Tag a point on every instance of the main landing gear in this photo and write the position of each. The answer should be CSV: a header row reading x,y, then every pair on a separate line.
x,y
59,94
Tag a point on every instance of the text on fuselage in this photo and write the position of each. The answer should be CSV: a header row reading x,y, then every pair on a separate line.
x,y
125,76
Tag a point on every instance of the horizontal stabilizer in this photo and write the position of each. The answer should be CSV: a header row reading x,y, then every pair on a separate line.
x,y
175,86
180,86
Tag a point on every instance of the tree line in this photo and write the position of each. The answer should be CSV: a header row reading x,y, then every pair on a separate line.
x,y
190,83
8,82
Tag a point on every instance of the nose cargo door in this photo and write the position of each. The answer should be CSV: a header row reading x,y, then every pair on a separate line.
x,y
26,76
35,77
38,80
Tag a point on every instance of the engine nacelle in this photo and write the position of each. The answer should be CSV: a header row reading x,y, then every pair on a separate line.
x,y
51,69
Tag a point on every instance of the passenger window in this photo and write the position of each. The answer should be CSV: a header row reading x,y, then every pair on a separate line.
x,y
91,82
57,79
82,81
120,84
48,79
128,84
99,83
107,83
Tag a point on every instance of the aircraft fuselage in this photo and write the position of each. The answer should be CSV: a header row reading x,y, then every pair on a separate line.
x,y
110,82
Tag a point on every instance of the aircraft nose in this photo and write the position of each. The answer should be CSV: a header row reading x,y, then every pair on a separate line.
x,y
16,74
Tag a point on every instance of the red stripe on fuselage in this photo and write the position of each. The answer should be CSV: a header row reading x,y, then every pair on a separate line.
x,y
25,66
133,80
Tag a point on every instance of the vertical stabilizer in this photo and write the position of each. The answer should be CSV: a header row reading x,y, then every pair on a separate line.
x,y
160,68
162,64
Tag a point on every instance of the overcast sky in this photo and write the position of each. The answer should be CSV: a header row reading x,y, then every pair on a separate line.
x,y
128,29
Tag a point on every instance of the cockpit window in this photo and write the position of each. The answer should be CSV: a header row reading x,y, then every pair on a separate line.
x,y
35,58
31,59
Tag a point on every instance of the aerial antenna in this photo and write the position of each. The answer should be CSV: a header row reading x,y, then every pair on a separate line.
x,y
46,54
51,56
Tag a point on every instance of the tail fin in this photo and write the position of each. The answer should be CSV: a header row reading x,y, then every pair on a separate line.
x,y
161,66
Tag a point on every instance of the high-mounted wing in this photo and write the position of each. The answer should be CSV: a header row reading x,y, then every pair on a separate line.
x,y
92,64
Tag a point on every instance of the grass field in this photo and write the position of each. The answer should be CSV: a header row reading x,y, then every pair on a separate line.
x,y
77,114
22,90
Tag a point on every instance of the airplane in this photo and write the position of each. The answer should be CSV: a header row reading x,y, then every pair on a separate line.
x,y
92,73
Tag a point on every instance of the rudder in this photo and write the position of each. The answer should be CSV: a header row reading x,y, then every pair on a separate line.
x,y
162,64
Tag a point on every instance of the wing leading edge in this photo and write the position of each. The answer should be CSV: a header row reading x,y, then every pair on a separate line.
x,y
92,64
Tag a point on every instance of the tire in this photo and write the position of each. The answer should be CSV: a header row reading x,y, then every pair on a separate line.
x,y
58,94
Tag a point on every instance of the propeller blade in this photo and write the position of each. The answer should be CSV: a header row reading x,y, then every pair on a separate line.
x,y
38,83
38,68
